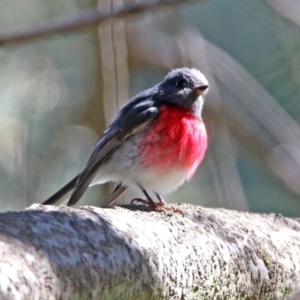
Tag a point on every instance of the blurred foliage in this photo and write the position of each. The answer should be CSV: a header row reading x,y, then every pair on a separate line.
x,y
58,94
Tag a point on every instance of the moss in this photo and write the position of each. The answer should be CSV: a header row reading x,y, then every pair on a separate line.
x,y
264,256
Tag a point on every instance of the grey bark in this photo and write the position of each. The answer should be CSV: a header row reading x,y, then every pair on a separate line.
x,y
119,253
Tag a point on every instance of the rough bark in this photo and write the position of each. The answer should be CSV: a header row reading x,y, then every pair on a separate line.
x,y
120,253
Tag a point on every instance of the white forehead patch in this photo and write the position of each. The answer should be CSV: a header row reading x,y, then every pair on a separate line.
x,y
186,72
200,76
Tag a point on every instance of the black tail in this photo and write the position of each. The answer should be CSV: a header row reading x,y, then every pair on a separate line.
x,y
62,192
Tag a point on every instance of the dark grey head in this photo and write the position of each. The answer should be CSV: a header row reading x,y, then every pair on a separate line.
x,y
184,87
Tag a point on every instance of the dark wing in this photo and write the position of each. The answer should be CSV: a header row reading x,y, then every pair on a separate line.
x,y
131,119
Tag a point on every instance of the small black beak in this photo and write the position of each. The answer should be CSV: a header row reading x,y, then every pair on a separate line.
x,y
199,90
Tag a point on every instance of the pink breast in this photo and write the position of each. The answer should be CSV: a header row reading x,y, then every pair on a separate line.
x,y
177,139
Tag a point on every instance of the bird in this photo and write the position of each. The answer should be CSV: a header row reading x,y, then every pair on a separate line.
x,y
155,143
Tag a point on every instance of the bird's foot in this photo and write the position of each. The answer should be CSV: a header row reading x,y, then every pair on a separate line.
x,y
152,204
155,206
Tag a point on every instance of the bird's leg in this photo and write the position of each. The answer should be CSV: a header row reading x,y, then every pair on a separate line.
x,y
149,200
162,205
159,207
160,199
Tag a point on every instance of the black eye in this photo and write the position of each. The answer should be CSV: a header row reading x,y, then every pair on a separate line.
x,y
181,83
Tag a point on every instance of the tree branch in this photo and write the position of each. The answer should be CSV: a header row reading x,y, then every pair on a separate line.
x,y
52,252
81,21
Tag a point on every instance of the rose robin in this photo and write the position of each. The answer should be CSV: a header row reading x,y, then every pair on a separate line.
x,y
156,142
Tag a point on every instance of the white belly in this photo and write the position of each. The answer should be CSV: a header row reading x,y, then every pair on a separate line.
x,y
131,171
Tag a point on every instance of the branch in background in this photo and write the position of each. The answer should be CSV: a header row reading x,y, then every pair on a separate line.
x,y
288,9
81,21
115,69
222,161
52,252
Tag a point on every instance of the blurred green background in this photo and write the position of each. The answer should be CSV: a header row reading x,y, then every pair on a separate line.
x,y
58,93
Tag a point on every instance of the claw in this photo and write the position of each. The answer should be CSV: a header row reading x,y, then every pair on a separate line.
x,y
165,208
145,202
159,207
